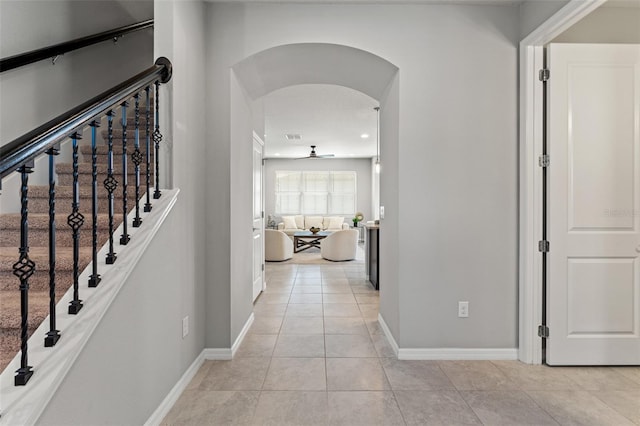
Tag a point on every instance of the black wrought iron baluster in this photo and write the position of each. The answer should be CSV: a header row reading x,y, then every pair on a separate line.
x,y
75,220
136,157
110,184
124,238
147,205
157,138
94,279
24,269
53,335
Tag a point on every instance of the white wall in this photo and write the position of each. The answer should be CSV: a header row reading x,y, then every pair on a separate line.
x,y
605,25
454,201
362,167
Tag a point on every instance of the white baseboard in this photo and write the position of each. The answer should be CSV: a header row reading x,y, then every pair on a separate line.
x,y
242,335
206,354
388,335
168,402
458,354
446,353
220,354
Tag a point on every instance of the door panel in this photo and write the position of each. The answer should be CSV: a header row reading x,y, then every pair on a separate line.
x,y
593,281
258,219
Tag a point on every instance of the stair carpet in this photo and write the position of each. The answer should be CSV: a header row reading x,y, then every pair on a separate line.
x,y
38,237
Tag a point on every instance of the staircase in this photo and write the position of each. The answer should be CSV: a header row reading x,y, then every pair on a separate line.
x,y
38,237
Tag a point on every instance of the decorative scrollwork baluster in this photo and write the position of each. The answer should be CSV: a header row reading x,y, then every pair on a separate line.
x,y
157,138
124,238
110,184
147,205
75,220
94,279
136,157
23,269
53,335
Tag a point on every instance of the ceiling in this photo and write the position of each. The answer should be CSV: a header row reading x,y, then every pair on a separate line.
x,y
334,118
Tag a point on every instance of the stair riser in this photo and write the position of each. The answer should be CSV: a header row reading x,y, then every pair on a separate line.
x,y
87,180
40,237
39,281
102,152
131,133
87,169
63,205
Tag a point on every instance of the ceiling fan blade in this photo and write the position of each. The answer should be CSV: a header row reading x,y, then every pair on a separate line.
x,y
314,155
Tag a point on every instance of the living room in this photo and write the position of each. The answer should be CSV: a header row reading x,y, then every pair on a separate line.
x,y
321,149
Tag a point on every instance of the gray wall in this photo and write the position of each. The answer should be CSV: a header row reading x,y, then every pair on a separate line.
x,y
456,162
605,25
535,12
137,353
34,94
361,166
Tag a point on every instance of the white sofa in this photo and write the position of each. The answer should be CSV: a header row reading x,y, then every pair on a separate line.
x,y
277,246
292,224
340,245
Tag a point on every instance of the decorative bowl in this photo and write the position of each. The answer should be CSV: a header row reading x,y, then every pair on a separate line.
x,y
314,230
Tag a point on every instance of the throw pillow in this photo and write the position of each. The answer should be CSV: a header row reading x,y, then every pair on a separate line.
x,y
289,222
336,223
310,221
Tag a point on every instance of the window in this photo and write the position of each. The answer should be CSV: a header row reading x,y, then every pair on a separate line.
x,y
315,192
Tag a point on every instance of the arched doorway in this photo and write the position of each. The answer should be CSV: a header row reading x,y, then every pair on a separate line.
x,y
311,63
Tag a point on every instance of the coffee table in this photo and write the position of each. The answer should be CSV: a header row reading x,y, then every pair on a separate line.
x,y
304,240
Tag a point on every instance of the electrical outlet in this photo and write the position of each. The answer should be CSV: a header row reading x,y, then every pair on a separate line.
x,y
463,309
185,326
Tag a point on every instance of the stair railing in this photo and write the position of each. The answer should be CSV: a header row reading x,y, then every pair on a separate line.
x,y
19,156
53,51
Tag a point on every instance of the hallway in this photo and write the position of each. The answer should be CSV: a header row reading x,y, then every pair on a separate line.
x,y
315,355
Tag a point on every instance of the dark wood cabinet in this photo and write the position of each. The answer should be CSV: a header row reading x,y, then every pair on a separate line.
x,y
372,251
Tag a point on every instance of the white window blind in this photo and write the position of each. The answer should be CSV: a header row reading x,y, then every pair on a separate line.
x,y
315,192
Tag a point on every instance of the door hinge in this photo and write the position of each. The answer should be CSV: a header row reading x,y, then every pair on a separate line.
x,y
263,267
543,246
544,160
543,331
544,74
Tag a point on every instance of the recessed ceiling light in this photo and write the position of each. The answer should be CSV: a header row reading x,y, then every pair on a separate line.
x,y
277,154
351,155
364,136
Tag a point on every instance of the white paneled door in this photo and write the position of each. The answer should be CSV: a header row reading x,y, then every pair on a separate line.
x,y
593,287
258,218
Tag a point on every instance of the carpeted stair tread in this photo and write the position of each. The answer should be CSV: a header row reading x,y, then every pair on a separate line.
x,y
10,308
40,256
40,221
39,281
131,133
9,339
87,169
103,150
39,230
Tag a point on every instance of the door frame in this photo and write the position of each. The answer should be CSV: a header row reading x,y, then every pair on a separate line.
x,y
256,137
531,214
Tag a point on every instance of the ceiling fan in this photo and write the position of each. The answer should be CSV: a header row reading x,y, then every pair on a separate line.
x,y
314,155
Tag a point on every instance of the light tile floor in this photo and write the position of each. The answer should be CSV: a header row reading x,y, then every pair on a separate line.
x,y
316,355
